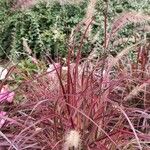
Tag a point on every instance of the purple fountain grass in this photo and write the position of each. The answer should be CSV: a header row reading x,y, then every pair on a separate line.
x,y
105,106
92,104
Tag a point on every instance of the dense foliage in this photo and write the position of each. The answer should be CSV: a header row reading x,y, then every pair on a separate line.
x,y
44,27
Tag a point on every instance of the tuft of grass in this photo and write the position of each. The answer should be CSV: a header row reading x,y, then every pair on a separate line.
x,y
107,108
103,103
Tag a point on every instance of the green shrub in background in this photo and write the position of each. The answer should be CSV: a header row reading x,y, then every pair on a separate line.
x,y
47,27
130,30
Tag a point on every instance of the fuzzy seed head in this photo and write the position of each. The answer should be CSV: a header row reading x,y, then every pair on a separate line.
x,y
72,140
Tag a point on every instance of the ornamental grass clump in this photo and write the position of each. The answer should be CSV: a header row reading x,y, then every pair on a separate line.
x,y
84,103
105,107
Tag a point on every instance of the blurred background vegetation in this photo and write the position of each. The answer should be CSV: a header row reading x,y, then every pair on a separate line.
x,y
46,26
